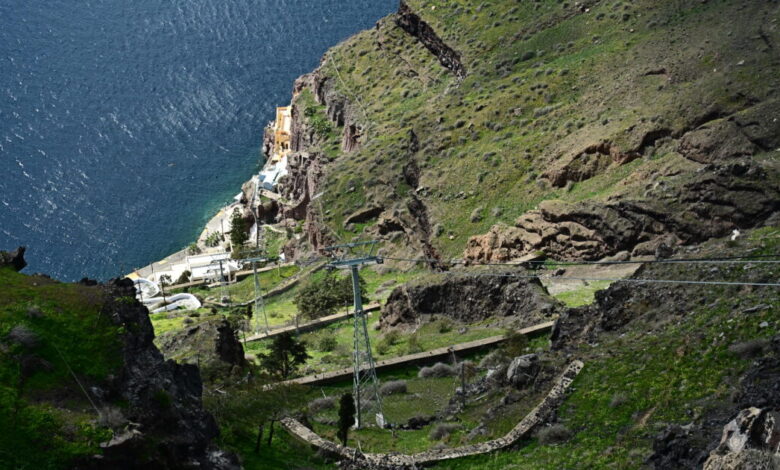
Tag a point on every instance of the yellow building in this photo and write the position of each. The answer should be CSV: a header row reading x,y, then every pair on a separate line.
x,y
282,128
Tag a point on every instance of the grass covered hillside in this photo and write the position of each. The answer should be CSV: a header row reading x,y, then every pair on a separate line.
x,y
82,385
577,128
54,342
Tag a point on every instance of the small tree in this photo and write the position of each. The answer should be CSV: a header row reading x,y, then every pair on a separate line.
x,y
184,278
346,416
238,230
286,355
213,239
325,295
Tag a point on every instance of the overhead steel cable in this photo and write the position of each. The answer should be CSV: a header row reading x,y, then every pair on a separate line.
x,y
635,280
736,259
723,260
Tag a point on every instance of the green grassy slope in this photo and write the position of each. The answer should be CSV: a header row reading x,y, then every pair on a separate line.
x,y
51,334
545,81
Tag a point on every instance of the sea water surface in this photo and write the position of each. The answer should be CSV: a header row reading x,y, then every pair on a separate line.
x,y
124,125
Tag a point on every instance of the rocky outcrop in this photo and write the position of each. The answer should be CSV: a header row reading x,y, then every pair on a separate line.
x,y
167,427
716,141
750,441
364,214
470,298
410,22
756,129
211,344
299,187
13,259
711,203
306,167
589,162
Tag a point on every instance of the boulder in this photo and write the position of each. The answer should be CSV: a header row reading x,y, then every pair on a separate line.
x,y
14,259
522,370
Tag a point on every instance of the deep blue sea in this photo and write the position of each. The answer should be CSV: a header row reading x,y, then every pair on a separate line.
x,y
124,125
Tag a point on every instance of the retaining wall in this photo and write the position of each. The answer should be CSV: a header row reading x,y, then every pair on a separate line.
x,y
537,416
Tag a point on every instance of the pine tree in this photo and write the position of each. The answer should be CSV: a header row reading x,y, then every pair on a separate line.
x,y
286,354
346,416
238,230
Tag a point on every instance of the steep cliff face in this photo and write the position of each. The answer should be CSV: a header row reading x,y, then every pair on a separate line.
x,y
490,131
172,429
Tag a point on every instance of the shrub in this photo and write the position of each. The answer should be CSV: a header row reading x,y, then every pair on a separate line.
x,y
213,239
321,404
515,344
388,340
618,399
327,344
323,296
444,325
413,345
193,249
184,278
442,430
555,434
438,370
493,360
393,387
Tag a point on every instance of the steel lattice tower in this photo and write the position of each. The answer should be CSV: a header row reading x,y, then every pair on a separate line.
x,y
368,402
259,302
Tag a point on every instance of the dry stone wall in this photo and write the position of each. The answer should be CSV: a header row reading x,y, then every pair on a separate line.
x,y
402,461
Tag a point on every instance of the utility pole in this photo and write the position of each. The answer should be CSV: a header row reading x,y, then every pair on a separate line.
x,y
162,289
225,292
365,382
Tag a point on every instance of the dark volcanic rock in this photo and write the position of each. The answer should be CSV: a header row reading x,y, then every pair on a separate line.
x,y
211,344
676,448
14,259
170,429
415,26
522,370
716,141
470,298
760,386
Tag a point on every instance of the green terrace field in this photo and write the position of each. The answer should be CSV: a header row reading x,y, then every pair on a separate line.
x,y
331,347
